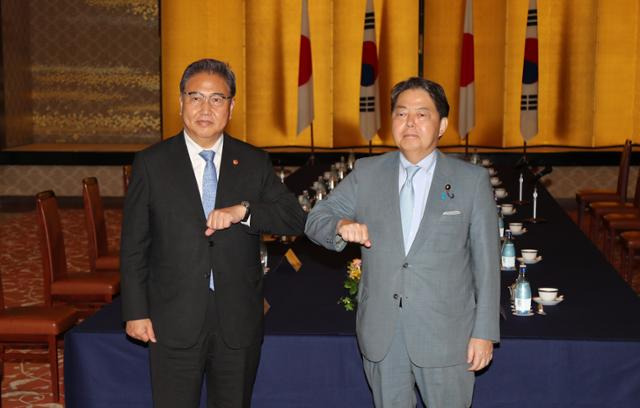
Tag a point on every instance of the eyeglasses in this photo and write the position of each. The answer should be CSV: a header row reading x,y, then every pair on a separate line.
x,y
198,99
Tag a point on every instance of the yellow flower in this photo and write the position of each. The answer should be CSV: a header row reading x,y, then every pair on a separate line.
x,y
354,272
354,269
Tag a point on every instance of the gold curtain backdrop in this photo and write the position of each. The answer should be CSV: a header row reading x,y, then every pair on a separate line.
x,y
589,82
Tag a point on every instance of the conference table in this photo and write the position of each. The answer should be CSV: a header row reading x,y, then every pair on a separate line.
x,y
585,352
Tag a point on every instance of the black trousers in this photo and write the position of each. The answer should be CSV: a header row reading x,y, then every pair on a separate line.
x,y
177,374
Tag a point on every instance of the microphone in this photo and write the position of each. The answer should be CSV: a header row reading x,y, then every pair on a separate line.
x,y
522,163
547,169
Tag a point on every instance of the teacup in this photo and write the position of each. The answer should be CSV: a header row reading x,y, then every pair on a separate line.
x,y
515,227
492,171
501,192
486,162
548,294
507,208
495,181
529,254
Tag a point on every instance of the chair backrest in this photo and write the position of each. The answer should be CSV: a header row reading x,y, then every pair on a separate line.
x,y
623,170
636,193
126,177
94,217
54,259
1,294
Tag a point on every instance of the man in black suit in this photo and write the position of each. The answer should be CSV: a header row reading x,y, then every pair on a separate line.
x,y
191,274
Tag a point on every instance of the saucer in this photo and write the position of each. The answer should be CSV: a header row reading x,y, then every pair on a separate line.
x,y
488,163
497,183
492,171
511,213
503,197
548,302
515,234
530,262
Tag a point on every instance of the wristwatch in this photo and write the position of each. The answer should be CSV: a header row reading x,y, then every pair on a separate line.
x,y
246,205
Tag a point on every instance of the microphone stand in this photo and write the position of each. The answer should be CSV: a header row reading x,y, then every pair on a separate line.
x,y
520,200
521,165
534,218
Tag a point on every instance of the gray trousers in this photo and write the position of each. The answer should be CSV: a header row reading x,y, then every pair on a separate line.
x,y
393,380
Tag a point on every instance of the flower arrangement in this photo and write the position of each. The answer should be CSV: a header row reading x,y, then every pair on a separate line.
x,y
354,272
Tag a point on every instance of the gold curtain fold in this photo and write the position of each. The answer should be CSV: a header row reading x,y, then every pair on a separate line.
x,y
195,29
589,74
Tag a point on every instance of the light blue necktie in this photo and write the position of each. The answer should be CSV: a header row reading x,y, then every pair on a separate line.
x,y
209,187
406,204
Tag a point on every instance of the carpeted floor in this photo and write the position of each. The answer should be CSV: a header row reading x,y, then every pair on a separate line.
x,y
29,384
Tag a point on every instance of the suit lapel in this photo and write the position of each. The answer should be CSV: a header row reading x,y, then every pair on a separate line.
x,y
184,176
435,203
229,167
390,202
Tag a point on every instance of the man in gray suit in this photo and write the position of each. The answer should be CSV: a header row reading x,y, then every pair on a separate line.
x,y
428,304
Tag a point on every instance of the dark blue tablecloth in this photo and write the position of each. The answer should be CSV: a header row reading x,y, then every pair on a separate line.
x,y
584,353
104,369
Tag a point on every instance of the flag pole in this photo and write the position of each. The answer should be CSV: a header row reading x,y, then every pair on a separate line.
x,y
466,146
421,38
312,159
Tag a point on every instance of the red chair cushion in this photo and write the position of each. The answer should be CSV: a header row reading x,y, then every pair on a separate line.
x,y
37,320
100,283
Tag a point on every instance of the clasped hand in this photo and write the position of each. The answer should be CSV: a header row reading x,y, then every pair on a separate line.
x,y
351,231
223,218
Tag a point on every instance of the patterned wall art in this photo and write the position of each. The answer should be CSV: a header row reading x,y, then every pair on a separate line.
x,y
95,71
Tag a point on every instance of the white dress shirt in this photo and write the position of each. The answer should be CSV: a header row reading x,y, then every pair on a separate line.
x,y
198,163
421,186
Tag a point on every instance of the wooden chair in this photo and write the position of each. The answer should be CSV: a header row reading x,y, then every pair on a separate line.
x,y
599,209
585,197
34,326
126,177
630,241
614,225
86,291
100,258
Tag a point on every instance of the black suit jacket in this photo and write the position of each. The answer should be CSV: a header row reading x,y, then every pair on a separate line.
x,y
166,257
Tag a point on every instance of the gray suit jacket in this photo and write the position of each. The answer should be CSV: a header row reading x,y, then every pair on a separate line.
x,y
449,281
